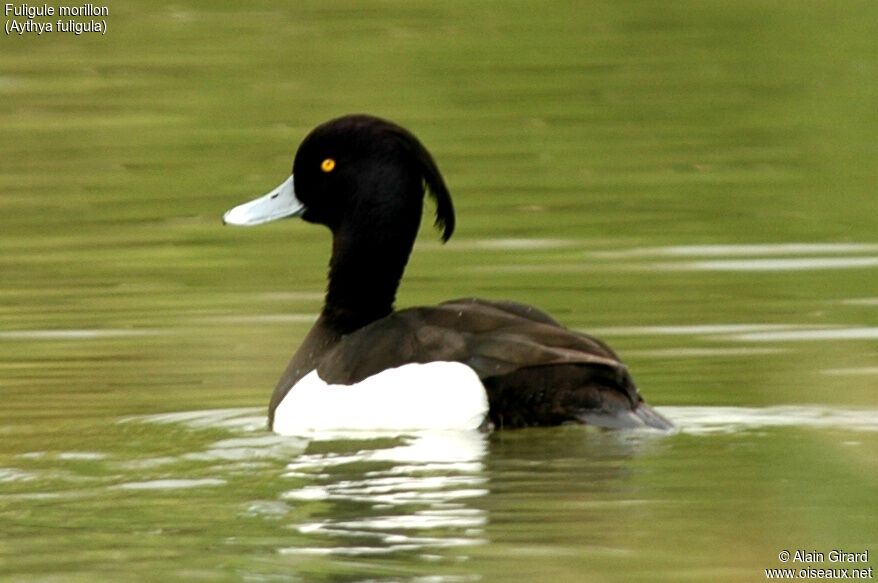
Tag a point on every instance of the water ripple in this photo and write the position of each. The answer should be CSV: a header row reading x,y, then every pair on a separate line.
x,y
743,250
75,334
796,264
171,484
707,420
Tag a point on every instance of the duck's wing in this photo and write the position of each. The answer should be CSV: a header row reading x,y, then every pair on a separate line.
x,y
536,371
492,338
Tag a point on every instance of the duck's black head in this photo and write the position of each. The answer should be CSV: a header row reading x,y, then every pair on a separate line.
x,y
364,178
365,170
356,171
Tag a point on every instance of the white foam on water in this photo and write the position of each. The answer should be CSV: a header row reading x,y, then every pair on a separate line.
x,y
508,244
852,371
796,264
861,302
245,418
464,451
75,334
742,333
690,330
171,484
82,456
267,319
521,244
769,257
703,352
16,475
708,420
767,249
819,334
292,296
242,449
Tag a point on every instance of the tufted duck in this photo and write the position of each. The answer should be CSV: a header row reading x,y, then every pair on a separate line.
x,y
465,363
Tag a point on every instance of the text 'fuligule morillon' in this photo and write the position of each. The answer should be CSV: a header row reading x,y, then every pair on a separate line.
x,y
35,10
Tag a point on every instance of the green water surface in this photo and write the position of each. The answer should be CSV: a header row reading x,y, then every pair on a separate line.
x,y
696,182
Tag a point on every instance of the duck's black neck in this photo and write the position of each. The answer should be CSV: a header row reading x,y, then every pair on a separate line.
x,y
364,275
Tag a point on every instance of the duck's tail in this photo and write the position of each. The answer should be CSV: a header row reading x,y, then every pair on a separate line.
x,y
641,417
552,395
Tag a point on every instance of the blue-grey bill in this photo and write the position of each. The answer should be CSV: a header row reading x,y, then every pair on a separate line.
x,y
280,203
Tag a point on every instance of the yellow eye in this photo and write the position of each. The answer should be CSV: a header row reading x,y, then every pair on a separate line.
x,y
327,165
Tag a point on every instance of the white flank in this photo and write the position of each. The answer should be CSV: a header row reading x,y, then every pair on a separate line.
x,y
418,397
